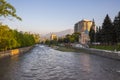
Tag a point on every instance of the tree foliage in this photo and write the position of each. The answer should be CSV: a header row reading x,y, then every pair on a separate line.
x,y
6,9
98,34
92,33
109,33
116,24
73,38
107,30
10,39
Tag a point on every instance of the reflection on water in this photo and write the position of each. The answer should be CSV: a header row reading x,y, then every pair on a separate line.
x,y
85,63
44,63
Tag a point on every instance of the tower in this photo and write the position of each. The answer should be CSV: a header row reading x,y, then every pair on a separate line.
x,y
93,25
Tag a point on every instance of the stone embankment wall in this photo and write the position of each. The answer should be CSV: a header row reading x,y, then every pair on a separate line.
x,y
14,52
104,53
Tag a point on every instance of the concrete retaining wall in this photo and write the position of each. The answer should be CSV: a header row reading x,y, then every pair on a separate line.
x,y
104,53
14,52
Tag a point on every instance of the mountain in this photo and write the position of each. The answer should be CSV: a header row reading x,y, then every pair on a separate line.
x,y
59,34
63,33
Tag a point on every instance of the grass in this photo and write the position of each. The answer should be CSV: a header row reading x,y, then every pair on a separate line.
x,y
65,49
111,48
102,47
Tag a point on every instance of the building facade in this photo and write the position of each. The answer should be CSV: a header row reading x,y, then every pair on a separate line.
x,y
83,27
53,37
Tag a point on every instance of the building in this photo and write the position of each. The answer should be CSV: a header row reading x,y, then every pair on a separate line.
x,y
84,38
83,27
53,37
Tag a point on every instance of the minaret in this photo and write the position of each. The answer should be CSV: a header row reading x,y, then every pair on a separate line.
x,y
93,25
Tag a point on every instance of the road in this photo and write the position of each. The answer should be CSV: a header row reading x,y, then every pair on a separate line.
x,y
45,63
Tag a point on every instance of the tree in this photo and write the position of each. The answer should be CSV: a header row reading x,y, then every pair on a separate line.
x,y
37,38
4,37
6,9
67,38
75,37
60,40
10,39
47,42
92,33
107,30
116,32
116,24
98,34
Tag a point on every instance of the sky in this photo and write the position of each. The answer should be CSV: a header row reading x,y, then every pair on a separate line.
x,y
44,16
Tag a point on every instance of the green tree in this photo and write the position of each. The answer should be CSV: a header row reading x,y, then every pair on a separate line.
x,y
67,38
76,37
10,39
37,38
4,37
92,33
60,40
107,30
6,9
98,34
47,42
116,24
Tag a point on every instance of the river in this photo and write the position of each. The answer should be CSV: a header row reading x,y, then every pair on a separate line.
x,y
45,63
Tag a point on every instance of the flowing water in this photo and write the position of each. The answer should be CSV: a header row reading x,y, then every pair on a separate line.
x,y
45,63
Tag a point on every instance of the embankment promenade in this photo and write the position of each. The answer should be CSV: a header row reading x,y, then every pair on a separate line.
x,y
103,53
13,52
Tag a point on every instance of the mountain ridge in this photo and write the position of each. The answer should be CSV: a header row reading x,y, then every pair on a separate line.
x,y
59,34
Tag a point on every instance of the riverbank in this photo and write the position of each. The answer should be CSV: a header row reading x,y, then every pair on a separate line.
x,y
13,52
103,53
65,49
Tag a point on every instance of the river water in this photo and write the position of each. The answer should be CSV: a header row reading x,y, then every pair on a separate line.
x,y
45,63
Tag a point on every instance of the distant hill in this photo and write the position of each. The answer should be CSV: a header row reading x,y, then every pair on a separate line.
x,y
59,34
63,33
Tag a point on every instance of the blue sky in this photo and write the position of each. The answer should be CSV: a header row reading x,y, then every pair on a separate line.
x,y
44,16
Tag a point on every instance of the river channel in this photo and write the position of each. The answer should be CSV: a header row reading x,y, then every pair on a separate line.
x,y
45,63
